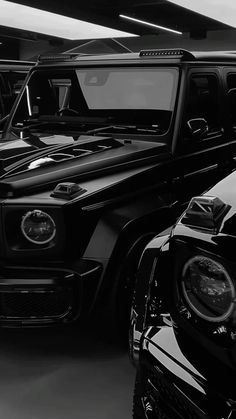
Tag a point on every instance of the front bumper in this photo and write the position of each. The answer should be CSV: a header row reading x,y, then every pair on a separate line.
x,y
172,387
36,296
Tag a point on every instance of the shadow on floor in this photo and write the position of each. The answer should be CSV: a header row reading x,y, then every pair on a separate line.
x,y
68,373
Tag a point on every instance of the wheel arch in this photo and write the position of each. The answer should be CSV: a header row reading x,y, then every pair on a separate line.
x,y
122,231
148,267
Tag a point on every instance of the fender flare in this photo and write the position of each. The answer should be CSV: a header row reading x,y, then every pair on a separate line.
x,y
146,271
118,229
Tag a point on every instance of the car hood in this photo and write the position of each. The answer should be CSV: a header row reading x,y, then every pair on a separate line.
x,y
24,167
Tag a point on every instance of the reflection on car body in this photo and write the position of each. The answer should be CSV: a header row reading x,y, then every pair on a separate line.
x,y
186,351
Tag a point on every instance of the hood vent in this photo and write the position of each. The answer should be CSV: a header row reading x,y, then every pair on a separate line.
x,y
61,154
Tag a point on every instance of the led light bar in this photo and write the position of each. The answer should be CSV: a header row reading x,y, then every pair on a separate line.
x,y
56,57
143,22
168,53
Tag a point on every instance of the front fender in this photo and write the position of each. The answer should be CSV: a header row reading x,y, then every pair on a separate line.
x,y
147,267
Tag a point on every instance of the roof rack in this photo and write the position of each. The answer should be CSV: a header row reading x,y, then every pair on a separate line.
x,y
167,53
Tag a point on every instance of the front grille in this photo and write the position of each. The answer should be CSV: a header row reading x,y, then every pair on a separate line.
x,y
27,304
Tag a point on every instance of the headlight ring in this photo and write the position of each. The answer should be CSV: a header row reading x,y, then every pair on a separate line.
x,y
208,288
38,227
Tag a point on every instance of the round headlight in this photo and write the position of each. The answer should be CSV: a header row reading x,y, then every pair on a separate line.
x,y
208,288
38,227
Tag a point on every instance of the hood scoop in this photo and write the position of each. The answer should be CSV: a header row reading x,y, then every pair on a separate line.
x,y
78,161
63,154
59,157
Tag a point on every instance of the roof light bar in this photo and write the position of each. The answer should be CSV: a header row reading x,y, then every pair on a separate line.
x,y
57,57
143,22
168,53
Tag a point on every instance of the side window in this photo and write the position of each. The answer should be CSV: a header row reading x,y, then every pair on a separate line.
x,y
202,103
231,93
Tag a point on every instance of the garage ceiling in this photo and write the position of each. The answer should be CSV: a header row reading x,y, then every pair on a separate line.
x,y
106,13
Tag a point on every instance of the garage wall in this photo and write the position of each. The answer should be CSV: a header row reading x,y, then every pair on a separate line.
x,y
215,40
29,49
9,48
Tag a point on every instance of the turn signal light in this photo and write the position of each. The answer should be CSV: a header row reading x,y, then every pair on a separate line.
x,y
206,213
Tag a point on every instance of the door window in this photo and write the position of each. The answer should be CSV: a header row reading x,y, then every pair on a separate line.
x,y
201,109
231,96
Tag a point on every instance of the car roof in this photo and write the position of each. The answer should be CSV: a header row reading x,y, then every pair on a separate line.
x,y
17,63
173,55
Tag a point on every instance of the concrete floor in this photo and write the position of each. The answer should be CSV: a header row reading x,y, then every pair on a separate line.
x,y
48,374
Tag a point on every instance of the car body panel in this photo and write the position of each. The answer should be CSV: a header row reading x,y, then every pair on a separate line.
x,y
108,174
189,355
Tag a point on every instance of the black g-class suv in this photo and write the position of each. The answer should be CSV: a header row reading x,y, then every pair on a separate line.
x,y
185,300
12,76
100,154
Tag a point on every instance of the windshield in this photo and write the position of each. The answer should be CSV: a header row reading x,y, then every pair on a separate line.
x,y
88,99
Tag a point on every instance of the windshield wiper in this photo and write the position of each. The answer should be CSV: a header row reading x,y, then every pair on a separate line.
x,y
155,129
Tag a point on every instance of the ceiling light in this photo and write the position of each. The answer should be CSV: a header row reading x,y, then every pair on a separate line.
x,y
222,11
151,24
14,15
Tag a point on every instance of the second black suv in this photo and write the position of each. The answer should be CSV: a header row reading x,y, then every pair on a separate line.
x,y
185,294
101,153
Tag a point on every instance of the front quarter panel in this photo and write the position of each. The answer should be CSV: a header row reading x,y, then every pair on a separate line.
x,y
195,383
148,266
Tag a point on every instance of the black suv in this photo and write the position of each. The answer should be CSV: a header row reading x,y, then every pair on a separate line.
x,y
12,76
186,298
101,154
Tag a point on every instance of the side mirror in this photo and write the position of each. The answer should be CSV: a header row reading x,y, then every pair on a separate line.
x,y
231,91
197,127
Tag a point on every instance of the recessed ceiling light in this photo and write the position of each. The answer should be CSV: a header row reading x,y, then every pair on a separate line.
x,y
14,15
151,24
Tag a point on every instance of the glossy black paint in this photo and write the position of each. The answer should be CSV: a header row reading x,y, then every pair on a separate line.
x,y
186,364
133,185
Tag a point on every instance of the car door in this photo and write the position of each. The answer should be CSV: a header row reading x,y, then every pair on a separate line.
x,y
202,149
229,78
